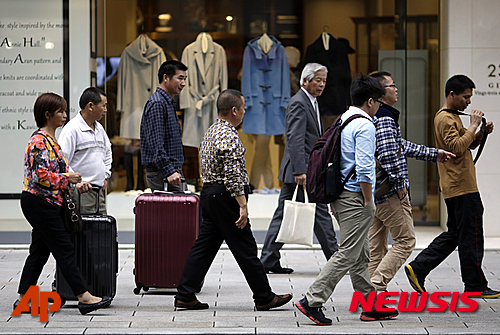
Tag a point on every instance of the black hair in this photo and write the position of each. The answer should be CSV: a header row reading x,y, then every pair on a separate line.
x,y
170,68
91,94
380,76
458,84
47,102
363,88
227,100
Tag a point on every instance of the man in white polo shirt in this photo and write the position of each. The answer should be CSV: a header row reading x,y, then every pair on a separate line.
x,y
88,149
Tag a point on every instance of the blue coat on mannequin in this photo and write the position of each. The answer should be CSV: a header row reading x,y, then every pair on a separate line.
x,y
265,83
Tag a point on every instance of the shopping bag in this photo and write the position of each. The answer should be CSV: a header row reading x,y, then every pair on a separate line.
x,y
298,221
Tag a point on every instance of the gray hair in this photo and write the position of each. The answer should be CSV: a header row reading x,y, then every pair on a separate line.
x,y
309,70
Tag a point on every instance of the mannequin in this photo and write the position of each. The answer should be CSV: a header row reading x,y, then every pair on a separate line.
x,y
332,53
265,43
326,40
132,97
261,165
325,37
204,43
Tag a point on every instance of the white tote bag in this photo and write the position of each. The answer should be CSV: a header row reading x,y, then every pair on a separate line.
x,y
298,221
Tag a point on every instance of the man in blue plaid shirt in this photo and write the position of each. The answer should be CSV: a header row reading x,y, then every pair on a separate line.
x,y
162,152
393,212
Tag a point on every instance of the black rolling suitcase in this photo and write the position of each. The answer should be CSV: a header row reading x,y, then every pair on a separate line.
x,y
96,249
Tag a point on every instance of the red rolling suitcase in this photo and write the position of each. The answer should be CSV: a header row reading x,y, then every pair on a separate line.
x,y
166,227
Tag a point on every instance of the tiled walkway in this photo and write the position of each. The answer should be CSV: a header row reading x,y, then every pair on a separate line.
x,y
231,306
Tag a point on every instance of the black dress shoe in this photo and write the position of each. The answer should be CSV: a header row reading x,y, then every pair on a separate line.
x,y
51,301
195,304
279,270
87,308
17,303
63,301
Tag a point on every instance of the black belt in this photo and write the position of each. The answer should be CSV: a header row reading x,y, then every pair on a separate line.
x,y
223,187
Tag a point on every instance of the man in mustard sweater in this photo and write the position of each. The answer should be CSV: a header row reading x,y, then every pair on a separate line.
x,y
460,193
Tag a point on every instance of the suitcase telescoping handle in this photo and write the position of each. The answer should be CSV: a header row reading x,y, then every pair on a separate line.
x,y
97,190
183,185
184,189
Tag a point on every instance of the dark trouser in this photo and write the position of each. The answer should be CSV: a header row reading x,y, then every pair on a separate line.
x,y
156,181
219,213
465,230
48,236
323,229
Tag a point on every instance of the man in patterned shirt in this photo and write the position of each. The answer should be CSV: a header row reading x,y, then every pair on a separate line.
x,y
393,212
162,152
224,211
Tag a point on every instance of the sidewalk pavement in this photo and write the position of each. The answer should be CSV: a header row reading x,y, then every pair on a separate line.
x,y
231,307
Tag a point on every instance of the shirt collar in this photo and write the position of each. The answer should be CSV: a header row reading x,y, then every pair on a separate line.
x,y
82,124
313,99
165,94
227,124
356,110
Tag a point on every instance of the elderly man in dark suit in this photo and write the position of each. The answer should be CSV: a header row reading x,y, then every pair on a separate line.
x,y
303,129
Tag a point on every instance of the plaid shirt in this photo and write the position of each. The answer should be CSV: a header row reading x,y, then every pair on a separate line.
x,y
389,141
161,139
222,157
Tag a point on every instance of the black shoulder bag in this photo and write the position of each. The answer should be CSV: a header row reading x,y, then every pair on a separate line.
x,y
71,215
485,134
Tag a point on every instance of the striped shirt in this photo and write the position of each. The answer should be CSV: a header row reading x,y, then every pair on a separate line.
x,y
222,157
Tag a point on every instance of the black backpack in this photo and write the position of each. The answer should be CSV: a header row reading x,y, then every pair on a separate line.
x,y
324,182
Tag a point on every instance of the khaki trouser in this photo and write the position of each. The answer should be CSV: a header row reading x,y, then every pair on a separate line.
x,y
87,202
393,215
353,254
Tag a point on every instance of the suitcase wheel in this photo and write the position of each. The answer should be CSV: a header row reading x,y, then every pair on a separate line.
x,y
137,290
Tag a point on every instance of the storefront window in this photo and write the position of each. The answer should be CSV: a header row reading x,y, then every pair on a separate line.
x,y
399,36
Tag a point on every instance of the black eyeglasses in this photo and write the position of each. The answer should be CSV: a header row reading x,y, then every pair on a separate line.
x,y
380,102
392,85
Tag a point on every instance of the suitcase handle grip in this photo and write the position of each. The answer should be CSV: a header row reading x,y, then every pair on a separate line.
x,y
183,186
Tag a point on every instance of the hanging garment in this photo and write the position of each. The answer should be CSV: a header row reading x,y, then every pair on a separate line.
x,y
336,96
265,83
137,80
207,77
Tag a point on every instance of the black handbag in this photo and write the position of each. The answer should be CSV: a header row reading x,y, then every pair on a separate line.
x,y
383,185
71,215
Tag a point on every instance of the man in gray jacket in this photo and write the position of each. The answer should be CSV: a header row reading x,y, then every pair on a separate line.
x,y
303,129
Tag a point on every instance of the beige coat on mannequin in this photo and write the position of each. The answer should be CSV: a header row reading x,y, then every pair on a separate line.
x,y
207,77
137,80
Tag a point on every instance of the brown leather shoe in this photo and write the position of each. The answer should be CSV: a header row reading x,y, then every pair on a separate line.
x,y
278,301
195,304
